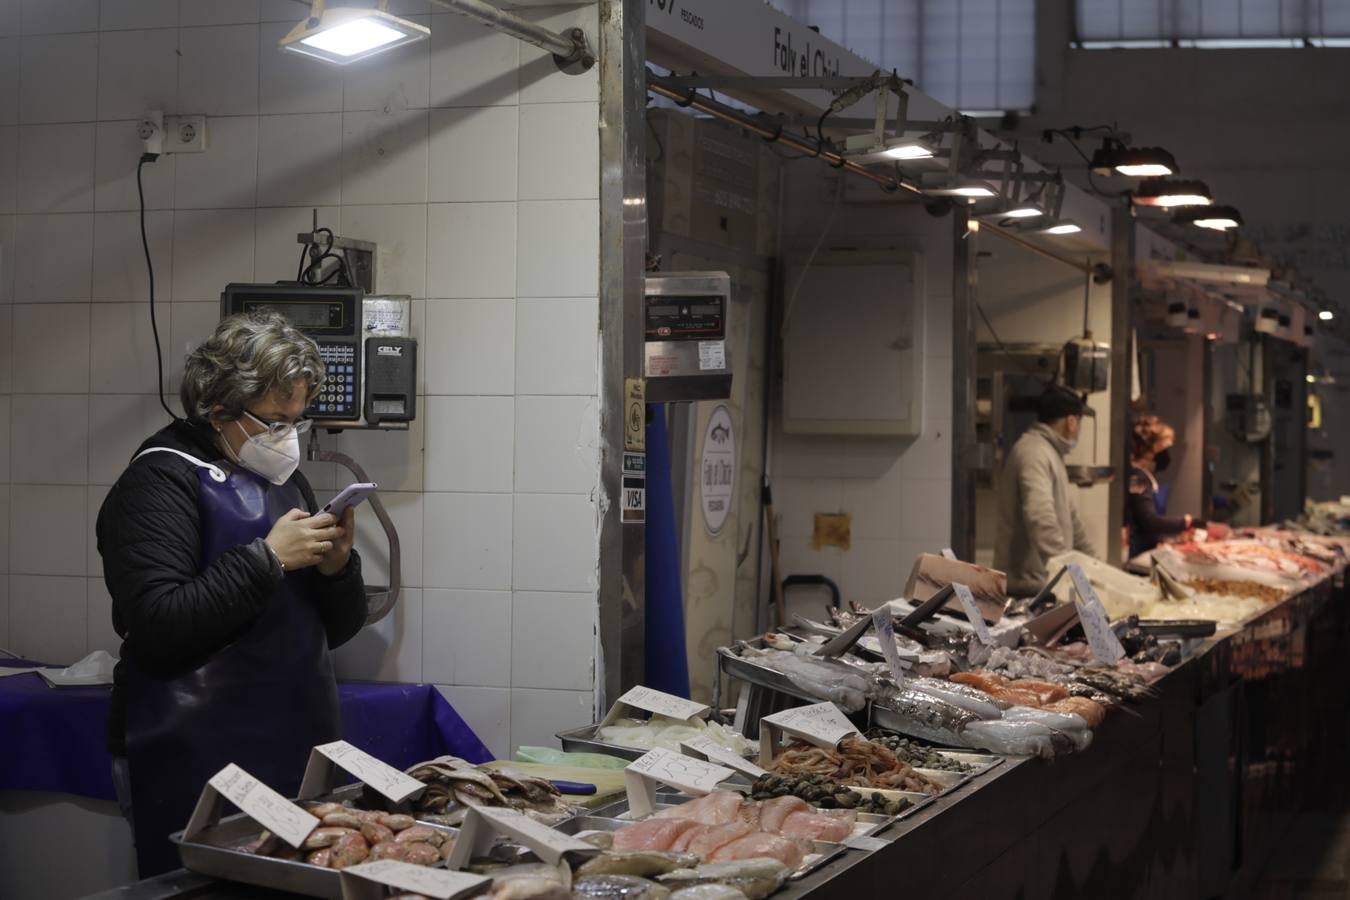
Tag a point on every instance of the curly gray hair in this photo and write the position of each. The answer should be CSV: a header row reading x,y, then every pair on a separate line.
x,y
244,359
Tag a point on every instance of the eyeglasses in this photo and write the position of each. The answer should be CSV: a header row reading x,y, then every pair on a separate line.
x,y
281,429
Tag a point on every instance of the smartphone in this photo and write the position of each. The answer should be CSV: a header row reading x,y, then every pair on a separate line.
x,y
351,495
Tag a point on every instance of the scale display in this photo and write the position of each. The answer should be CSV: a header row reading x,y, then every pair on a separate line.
x,y
305,315
685,318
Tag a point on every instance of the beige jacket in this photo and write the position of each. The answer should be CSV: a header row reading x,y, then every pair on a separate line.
x,y
1037,510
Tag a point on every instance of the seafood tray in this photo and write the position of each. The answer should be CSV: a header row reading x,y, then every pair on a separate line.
x,y
821,851
583,740
214,852
868,824
737,666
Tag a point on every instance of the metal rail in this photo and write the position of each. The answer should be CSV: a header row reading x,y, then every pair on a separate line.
x,y
771,132
1007,235
569,48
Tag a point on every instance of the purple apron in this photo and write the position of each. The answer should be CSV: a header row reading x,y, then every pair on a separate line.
x,y
262,701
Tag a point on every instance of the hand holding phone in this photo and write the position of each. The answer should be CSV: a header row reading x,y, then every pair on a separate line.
x,y
351,495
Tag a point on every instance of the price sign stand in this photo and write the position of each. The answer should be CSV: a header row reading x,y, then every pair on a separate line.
x,y
326,759
1106,647
706,748
821,724
660,766
654,702
257,801
483,825
370,881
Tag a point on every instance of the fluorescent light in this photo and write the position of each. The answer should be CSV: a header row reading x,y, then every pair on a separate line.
x,y
1326,315
1124,45
1172,200
907,151
1215,218
348,34
972,191
1147,170
1219,224
865,148
1170,194
1063,228
1026,211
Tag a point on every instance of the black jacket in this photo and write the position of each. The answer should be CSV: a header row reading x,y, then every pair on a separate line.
x,y
168,611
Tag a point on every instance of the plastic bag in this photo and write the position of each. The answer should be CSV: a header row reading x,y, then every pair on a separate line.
x,y
551,757
1011,738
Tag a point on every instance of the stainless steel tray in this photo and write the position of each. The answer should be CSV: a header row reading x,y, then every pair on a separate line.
x,y
216,852
868,824
583,740
821,851
737,666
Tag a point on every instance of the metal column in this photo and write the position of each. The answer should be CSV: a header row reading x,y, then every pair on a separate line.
x,y
623,250
1122,362
965,281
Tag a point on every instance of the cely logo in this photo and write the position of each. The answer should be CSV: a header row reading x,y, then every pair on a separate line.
x,y
719,434
389,350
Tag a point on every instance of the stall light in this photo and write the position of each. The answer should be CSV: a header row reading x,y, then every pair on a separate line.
x,y
1062,228
1135,162
1022,211
865,148
1326,315
1311,379
348,34
968,188
1215,218
1168,193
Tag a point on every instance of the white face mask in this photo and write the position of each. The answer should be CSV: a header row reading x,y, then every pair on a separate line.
x,y
274,458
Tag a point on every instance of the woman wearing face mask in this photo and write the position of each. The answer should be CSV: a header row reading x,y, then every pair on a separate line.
x,y
227,590
1146,502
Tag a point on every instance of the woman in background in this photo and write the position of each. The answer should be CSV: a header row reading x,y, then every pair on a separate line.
x,y
1146,501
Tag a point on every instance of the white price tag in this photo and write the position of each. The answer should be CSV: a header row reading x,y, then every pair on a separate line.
x,y
948,553
663,704
715,753
264,805
482,824
712,355
863,842
821,724
884,623
1105,645
379,776
973,613
441,884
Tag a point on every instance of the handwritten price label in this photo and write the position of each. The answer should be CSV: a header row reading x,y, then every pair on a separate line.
x,y
1106,647
884,623
820,723
716,753
482,824
380,776
441,884
680,771
264,805
662,704
973,613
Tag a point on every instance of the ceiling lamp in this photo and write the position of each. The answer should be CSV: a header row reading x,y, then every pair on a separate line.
x,y
1326,315
1136,162
1062,228
968,188
1022,211
347,34
864,148
1215,218
1169,193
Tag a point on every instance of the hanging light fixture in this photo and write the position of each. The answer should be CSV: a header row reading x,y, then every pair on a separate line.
x,y
863,149
1215,218
1326,315
1169,193
346,34
1062,228
1114,157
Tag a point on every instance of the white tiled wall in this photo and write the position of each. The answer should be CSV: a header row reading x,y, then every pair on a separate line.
x,y
471,162
896,491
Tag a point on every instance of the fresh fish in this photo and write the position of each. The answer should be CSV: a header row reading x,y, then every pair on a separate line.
x,y
925,716
809,826
755,878
602,839
972,700
760,845
618,887
642,863
532,881
652,834
707,842
708,892
717,808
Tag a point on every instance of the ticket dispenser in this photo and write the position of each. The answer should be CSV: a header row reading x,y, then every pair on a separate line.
x,y
685,318
366,344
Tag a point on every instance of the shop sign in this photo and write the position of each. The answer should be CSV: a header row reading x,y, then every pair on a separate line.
x,y
717,469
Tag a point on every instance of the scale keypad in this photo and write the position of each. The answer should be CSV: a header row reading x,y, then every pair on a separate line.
x,y
339,397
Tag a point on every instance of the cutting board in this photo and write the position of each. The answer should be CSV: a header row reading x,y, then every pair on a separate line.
x,y
608,782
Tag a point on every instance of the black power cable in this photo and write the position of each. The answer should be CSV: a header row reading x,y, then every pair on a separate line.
x,y
150,270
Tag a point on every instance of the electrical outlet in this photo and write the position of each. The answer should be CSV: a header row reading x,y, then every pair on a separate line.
x,y
150,129
184,134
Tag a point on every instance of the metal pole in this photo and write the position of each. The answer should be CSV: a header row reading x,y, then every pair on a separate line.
x,y
570,47
1122,327
965,280
623,254
697,101
1035,248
